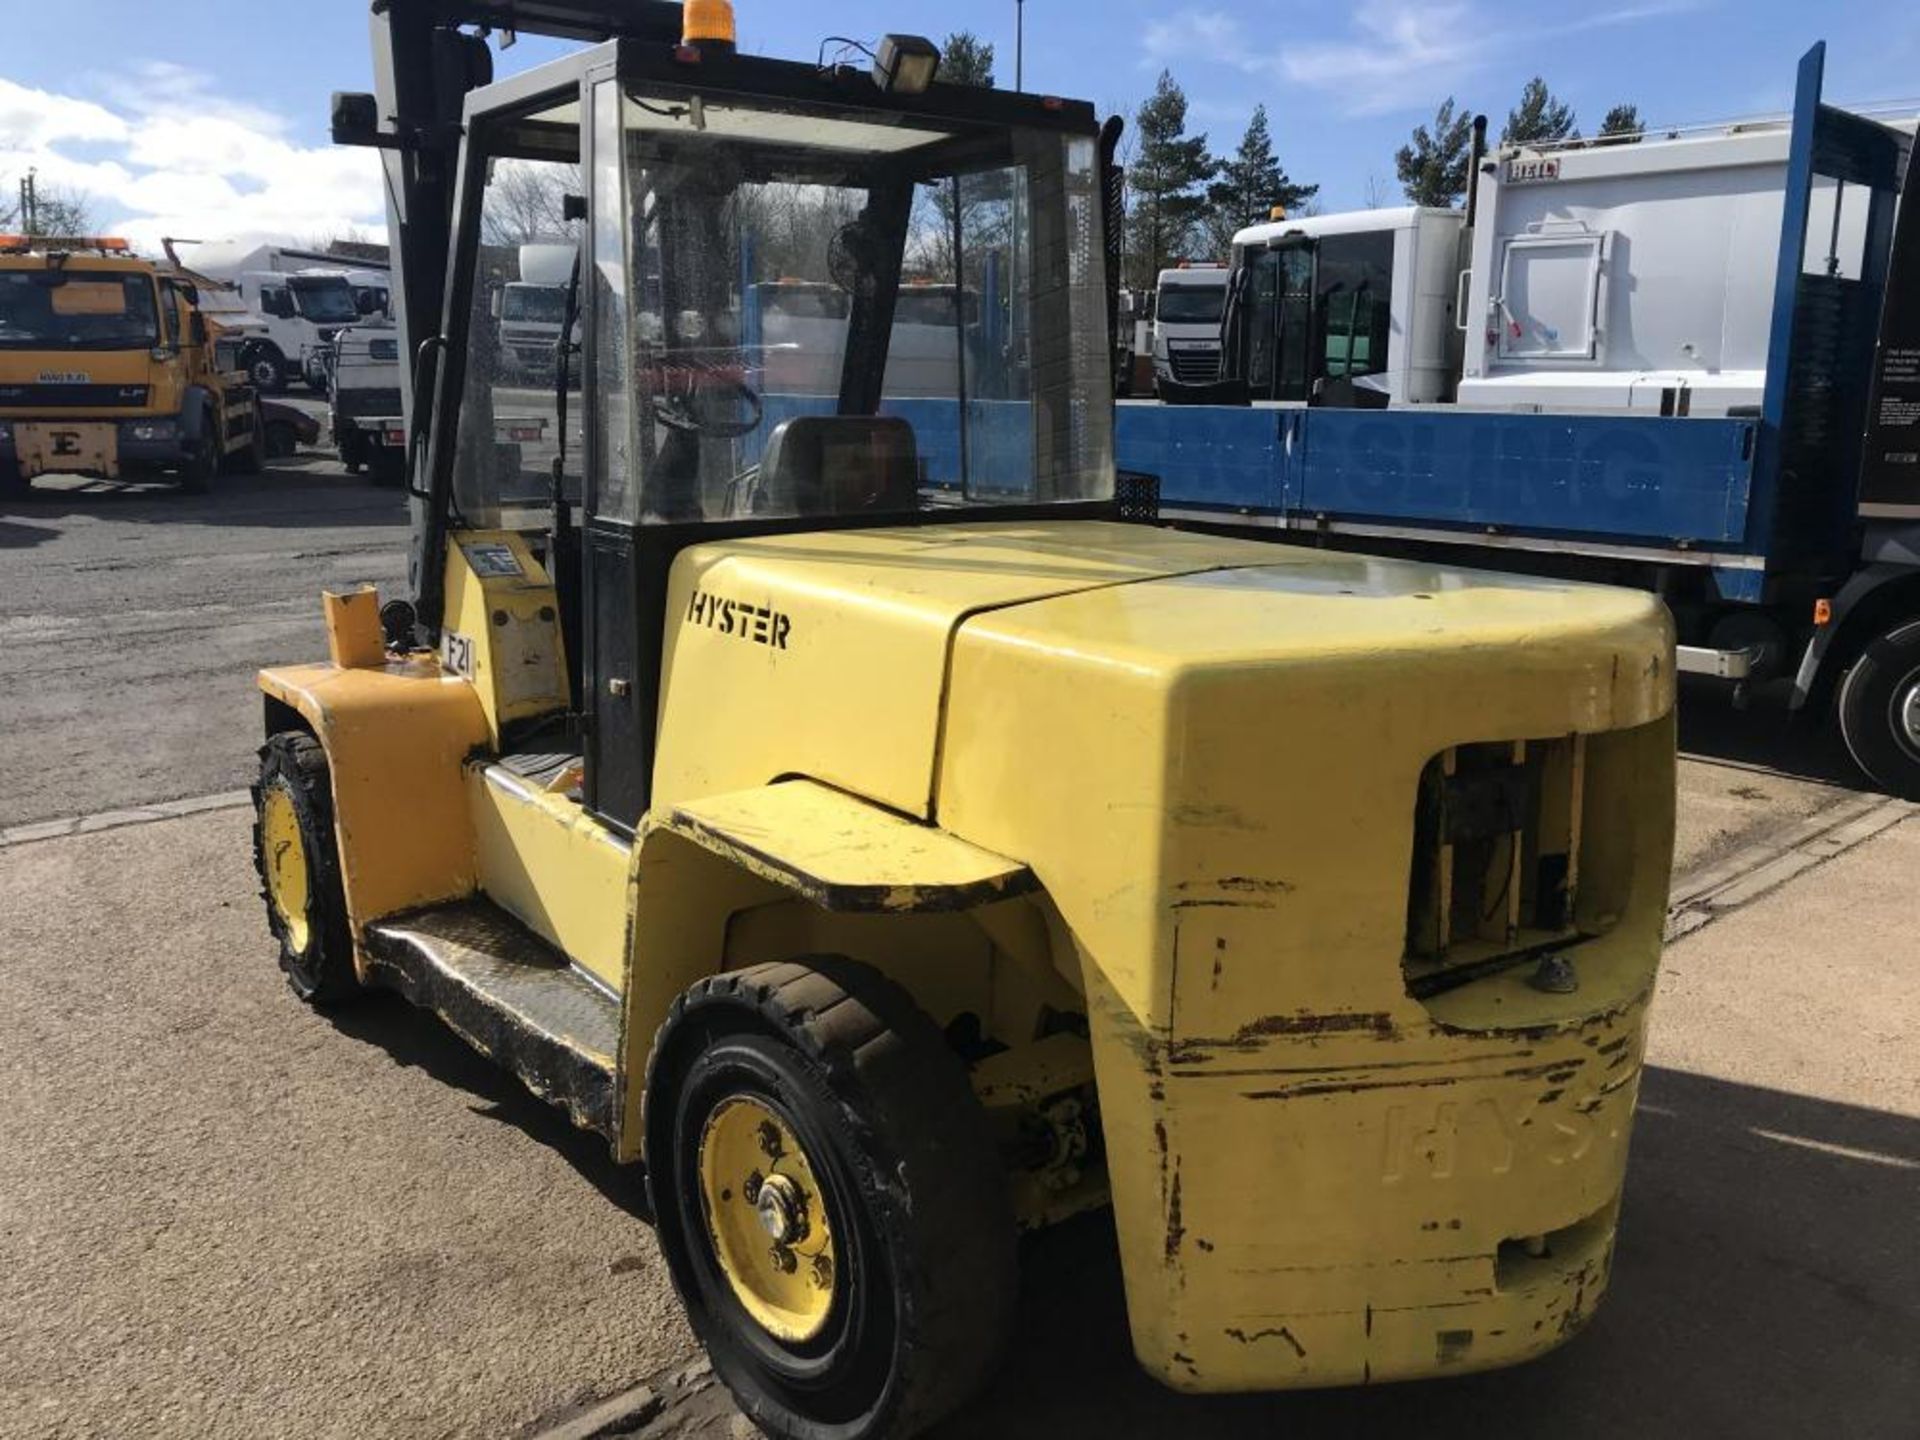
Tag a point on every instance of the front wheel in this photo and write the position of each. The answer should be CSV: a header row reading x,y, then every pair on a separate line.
x,y
248,459
299,867
201,463
829,1201
1879,708
265,365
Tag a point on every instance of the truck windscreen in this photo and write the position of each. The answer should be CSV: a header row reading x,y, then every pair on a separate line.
x,y
1192,304
534,304
325,300
77,309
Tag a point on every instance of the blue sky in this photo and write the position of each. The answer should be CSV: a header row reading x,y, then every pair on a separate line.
x,y
214,122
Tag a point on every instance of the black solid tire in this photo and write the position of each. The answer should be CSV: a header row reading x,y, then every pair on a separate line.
x,y
1873,700
265,365
322,973
12,482
884,1110
198,467
248,459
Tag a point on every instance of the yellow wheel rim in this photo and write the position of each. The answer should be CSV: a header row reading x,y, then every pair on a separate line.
x,y
288,886
767,1218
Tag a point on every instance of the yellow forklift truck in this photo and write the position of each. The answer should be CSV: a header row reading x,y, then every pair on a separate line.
x,y
109,368
844,806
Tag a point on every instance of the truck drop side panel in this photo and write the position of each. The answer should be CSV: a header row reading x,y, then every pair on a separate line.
x,y
1626,478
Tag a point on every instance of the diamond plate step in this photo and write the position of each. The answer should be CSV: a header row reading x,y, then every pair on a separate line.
x,y
511,996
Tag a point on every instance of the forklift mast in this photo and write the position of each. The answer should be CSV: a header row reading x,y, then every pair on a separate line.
x,y
428,55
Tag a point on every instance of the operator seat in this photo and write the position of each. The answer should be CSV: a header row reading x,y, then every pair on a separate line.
x,y
839,465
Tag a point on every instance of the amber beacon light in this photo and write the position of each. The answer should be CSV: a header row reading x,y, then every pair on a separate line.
x,y
707,22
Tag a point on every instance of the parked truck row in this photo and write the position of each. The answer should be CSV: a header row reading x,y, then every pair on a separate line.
x,y
1690,364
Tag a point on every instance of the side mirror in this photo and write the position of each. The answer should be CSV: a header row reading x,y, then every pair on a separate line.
x,y
197,328
494,303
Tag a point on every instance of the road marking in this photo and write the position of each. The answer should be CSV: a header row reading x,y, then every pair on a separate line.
x,y
1766,865
1845,1152
119,819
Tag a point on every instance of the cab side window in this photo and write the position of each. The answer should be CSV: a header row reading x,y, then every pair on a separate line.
x,y
170,313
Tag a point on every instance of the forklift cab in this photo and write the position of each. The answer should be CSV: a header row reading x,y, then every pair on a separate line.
x,y
693,180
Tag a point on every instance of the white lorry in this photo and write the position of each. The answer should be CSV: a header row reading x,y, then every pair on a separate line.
x,y
531,309
1188,303
291,304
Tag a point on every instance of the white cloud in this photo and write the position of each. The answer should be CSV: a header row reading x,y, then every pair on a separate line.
x,y
1194,34
161,153
1391,54
32,118
1395,41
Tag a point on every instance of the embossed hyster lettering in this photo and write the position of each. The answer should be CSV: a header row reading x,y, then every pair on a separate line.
x,y
759,624
1484,1137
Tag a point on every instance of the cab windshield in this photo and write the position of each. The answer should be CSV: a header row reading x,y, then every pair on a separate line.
x,y
75,308
535,304
797,311
324,299
1192,304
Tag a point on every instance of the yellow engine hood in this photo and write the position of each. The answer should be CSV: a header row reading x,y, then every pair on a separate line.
x,y
825,654
828,654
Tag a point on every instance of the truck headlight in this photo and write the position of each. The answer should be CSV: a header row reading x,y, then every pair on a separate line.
x,y
151,430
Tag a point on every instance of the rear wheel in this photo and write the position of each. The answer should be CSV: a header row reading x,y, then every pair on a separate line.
x,y
828,1199
299,867
1879,708
12,482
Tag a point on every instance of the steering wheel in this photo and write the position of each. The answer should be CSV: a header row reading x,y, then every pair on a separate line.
x,y
696,410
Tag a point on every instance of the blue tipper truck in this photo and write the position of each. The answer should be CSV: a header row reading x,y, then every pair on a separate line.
x,y
1689,362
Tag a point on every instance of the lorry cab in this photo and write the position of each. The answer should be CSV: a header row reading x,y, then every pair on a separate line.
x,y
110,368
843,802
1189,301
1363,298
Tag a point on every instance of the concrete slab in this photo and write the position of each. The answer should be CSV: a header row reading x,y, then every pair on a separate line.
x,y
225,1215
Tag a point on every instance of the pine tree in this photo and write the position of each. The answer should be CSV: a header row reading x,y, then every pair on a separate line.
x,y
1433,165
1539,118
1250,185
966,59
1622,126
1165,178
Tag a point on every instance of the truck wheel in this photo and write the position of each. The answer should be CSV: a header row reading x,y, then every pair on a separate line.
x,y
299,868
248,459
352,448
1880,710
828,1200
265,365
12,482
201,464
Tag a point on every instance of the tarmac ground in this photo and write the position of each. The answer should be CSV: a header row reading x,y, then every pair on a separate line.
x,y
222,1214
